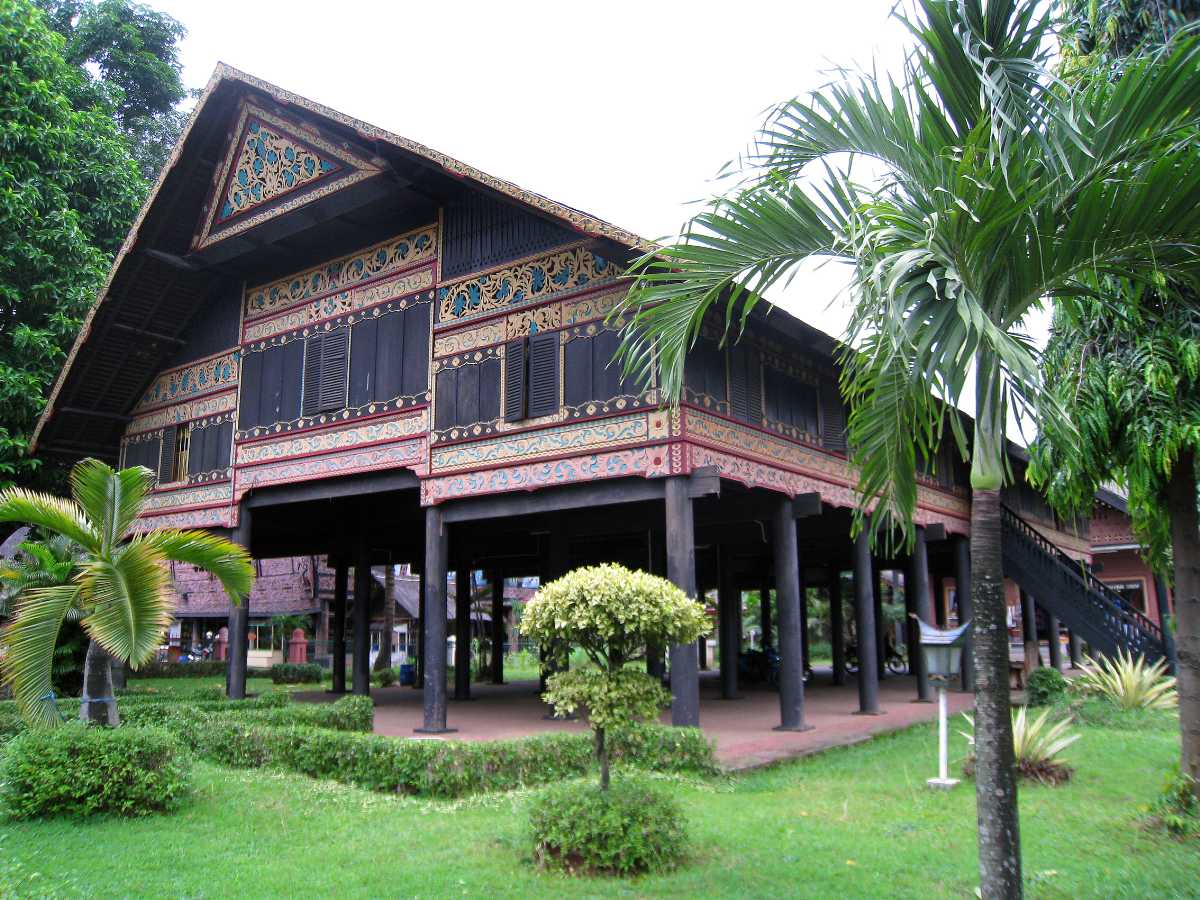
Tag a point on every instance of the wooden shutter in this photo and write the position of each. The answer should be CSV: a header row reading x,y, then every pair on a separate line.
x,y
198,449
293,379
737,382
251,384
224,444
166,457
543,374
311,404
514,380
833,418
335,365
754,387
445,406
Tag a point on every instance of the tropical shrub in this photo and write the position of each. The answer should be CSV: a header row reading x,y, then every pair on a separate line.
x,y
613,615
82,770
296,673
1128,682
625,830
1177,810
385,677
1037,744
1046,685
202,668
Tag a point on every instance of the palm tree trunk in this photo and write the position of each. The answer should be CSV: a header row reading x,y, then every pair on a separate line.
x,y
384,659
995,770
1185,545
99,706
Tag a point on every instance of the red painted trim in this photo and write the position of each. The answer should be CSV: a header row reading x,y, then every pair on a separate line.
x,y
225,504
402,412
536,428
183,485
577,453
232,390
420,436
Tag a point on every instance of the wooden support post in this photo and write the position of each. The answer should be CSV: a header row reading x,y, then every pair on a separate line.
x,y
917,601
1075,649
361,667
1029,634
962,590
1164,615
789,601
764,615
497,627
434,623
702,651
728,596
462,634
681,570
804,621
1056,656
864,623
239,617
939,601
341,584
880,622
419,681
837,628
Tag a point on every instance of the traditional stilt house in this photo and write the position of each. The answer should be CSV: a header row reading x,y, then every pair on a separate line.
x,y
327,338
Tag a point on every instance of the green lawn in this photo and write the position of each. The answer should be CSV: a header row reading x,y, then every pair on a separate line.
x,y
855,822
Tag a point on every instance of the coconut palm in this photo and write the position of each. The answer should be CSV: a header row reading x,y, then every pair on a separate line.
x,y
119,588
981,186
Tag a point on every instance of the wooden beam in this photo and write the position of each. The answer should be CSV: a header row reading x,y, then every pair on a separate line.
x,y
95,413
331,489
146,333
935,532
806,505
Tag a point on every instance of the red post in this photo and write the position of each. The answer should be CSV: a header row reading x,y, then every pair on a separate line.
x,y
298,647
221,647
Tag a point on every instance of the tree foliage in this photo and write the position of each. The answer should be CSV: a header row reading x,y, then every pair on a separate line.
x,y
1107,30
612,614
119,589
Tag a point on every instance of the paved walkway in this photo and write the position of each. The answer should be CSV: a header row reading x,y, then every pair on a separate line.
x,y
741,728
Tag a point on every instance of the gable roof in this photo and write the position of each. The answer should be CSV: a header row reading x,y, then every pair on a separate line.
x,y
159,282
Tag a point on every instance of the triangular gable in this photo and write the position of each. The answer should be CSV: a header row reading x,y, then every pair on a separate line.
x,y
272,166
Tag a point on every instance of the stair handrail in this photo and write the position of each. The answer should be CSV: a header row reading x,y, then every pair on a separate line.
x,y
1136,617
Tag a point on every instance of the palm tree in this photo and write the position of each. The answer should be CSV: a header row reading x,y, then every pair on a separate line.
x,y
119,588
983,186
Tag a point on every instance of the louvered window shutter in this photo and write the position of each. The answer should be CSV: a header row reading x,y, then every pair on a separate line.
x,y
335,369
754,388
833,418
737,382
543,374
312,375
166,457
514,380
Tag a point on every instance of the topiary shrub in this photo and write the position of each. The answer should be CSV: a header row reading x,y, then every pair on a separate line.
x,y
79,770
628,829
385,677
296,673
1046,685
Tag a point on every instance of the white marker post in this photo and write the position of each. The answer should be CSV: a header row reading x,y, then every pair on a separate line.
x,y
943,781
943,661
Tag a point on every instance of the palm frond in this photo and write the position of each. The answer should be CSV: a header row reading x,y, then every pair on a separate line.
x,y
50,513
29,641
112,500
230,562
128,601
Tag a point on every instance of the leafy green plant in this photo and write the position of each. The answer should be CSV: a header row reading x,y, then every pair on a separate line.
x,y
1128,682
296,673
1177,810
612,614
385,677
119,590
83,770
626,830
1037,743
1046,685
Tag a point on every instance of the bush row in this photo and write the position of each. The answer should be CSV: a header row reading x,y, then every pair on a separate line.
x,y
296,673
443,768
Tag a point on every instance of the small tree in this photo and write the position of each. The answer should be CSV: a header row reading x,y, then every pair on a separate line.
x,y
611,613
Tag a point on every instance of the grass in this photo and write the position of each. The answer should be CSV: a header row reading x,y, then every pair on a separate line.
x,y
853,822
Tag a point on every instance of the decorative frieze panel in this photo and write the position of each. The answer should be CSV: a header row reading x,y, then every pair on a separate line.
x,y
374,408
706,401
408,454
273,166
209,517
529,281
385,296
758,443
205,495
633,429
203,408
651,461
387,257
333,439
205,376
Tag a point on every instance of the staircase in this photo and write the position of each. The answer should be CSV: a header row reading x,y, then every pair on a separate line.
x,y
1065,588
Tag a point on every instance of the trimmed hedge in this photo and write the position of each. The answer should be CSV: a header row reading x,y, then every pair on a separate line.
x,y
80,770
296,673
201,668
443,768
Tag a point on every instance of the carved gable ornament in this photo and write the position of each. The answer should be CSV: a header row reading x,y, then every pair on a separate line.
x,y
272,166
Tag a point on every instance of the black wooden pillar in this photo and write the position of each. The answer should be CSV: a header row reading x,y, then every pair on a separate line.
x,y
656,666
681,571
1164,622
764,614
916,601
1053,626
555,565
497,627
702,650
341,582
419,681
1029,635
361,667
789,610
434,623
239,616
880,621
962,590
728,595
939,601
462,634
865,586
837,628
803,619
1074,649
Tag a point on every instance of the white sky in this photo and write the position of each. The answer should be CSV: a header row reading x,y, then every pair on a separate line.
x,y
625,110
